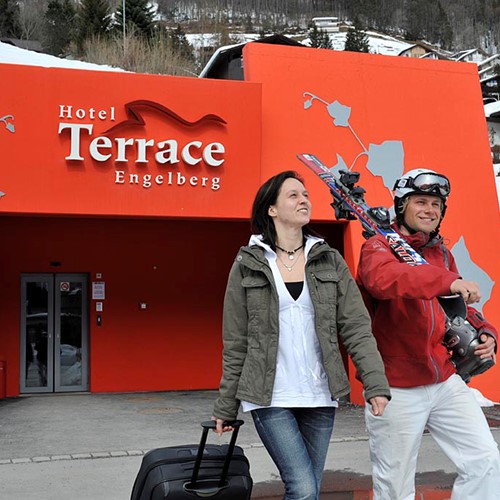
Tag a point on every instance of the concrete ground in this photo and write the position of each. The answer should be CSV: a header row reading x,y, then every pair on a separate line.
x,y
90,446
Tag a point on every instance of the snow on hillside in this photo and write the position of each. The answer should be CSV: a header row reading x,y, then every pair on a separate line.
x,y
379,44
10,54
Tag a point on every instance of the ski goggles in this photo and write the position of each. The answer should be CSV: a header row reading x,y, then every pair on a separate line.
x,y
426,183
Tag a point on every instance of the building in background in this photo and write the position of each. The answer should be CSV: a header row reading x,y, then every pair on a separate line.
x,y
127,196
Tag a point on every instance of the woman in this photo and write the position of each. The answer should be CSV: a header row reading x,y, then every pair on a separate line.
x,y
289,299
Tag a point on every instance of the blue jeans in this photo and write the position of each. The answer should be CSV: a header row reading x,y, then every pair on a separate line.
x,y
297,440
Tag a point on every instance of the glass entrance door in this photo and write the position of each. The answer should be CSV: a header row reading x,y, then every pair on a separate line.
x,y
54,333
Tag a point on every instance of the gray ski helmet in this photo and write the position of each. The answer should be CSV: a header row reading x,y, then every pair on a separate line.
x,y
420,181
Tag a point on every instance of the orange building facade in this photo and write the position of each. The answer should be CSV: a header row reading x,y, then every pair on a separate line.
x,y
127,196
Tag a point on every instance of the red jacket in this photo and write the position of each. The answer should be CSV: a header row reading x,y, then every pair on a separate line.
x,y
407,320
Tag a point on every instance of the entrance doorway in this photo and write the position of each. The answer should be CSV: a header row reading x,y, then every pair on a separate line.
x,y
54,333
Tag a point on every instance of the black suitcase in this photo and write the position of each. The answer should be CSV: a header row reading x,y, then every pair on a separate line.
x,y
195,471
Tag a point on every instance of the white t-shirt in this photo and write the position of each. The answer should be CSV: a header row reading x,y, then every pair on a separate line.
x,y
300,379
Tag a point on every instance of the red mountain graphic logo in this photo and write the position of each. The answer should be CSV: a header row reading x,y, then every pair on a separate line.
x,y
134,109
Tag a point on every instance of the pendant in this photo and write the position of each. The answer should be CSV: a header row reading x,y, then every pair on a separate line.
x,y
291,256
289,269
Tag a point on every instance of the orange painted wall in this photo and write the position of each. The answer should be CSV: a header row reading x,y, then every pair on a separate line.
x,y
433,107
176,343
391,99
50,116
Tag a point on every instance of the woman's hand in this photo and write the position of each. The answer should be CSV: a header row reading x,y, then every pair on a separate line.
x,y
220,427
378,404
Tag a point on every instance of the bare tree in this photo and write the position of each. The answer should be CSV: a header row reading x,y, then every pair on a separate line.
x,y
30,20
156,55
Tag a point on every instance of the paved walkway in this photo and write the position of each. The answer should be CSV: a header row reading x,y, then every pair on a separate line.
x,y
89,446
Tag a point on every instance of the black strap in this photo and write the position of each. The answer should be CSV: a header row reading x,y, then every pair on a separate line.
x,y
210,424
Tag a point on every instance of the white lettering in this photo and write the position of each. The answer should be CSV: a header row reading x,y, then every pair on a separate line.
x,y
147,180
142,145
96,145
102,114
186,154
141,150
210,150
181,180
171,150
75,138
65,111
122,144
119,177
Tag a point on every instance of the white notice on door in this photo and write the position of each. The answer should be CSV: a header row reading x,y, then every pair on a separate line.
x,y
98,290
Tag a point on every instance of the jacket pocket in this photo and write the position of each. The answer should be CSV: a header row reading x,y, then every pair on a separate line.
x,y
257,295
326,286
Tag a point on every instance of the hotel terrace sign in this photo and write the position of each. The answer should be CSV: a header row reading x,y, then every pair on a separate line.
x,y
113,145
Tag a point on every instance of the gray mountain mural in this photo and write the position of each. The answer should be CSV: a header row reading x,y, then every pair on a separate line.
x,y
469,270
386,160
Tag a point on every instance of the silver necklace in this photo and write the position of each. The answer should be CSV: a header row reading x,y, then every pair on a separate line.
x,y
290,253
288,268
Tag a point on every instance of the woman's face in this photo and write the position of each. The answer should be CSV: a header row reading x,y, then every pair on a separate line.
x,y
292,207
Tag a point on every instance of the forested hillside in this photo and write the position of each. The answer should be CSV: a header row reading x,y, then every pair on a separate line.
x,y
456,23
145,36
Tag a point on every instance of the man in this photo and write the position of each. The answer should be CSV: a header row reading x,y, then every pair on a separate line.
x,y
409,325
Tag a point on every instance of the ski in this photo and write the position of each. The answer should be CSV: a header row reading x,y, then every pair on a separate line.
x,y
349,203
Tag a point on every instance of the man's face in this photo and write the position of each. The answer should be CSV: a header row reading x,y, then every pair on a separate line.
x,y
423,212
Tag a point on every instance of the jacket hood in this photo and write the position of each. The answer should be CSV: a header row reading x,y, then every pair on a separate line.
x,y
256,239
255,254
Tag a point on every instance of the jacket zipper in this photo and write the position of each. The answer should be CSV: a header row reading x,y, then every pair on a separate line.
x,y
315,282
433,317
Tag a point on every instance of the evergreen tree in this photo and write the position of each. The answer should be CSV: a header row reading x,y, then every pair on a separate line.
x,y
444,32
59,26
180,43
319,38
139,17
248,24
9,19
93,20
356,39
428,20
415,19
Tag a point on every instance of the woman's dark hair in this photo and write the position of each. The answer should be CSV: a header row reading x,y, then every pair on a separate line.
x,y
262,222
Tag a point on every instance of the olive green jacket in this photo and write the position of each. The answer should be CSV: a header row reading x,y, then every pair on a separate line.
x,y
251,329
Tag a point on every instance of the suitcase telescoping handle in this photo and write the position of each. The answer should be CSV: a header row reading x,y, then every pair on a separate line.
x,y
210,424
